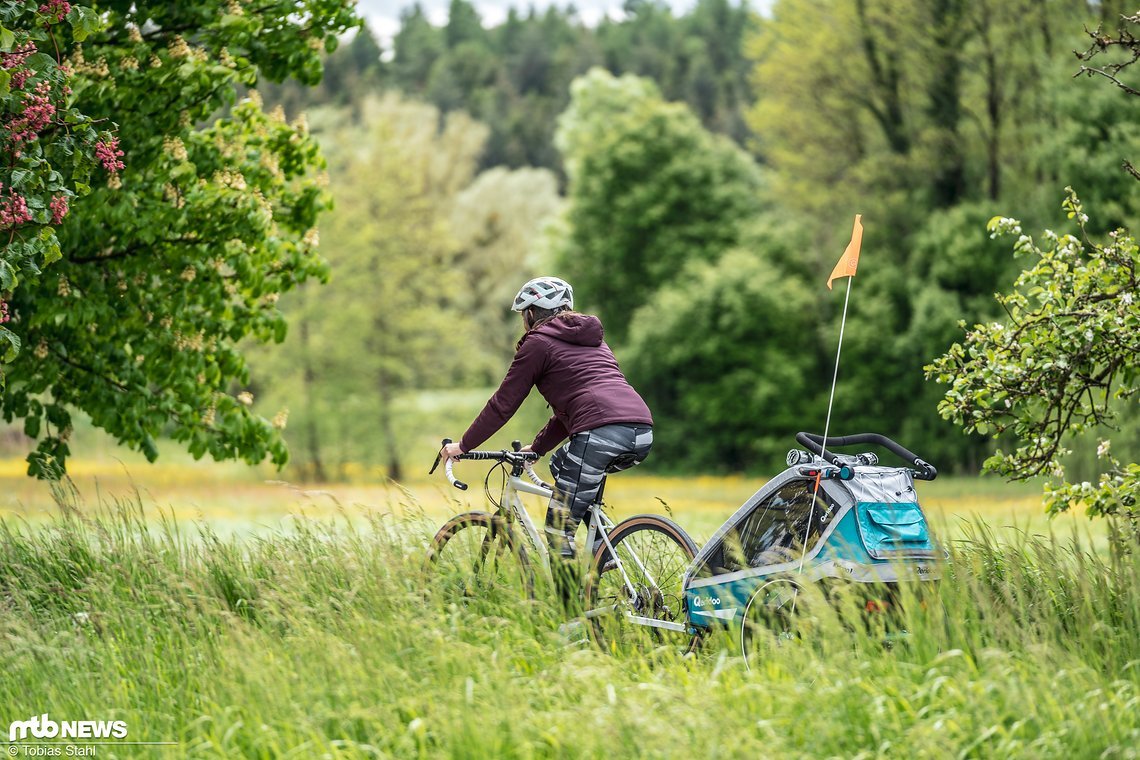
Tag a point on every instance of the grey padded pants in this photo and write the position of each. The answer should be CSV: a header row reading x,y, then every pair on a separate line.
x,y
581,464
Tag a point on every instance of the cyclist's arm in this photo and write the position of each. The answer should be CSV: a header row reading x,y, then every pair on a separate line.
x,y
550,436
514,389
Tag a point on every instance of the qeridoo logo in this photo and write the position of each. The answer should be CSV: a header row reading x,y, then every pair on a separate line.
x,y
43,727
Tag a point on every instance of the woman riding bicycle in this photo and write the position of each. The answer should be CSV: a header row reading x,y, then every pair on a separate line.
x,y
608,424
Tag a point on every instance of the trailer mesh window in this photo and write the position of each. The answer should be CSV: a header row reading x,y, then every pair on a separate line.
x,y
774,532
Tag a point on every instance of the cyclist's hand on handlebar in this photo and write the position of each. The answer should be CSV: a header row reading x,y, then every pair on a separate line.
x,y
526,449
451,451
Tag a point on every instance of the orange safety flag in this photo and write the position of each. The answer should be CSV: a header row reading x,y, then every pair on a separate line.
x,y
849,261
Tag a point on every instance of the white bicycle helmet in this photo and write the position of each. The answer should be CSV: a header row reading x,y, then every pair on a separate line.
x,y
545,293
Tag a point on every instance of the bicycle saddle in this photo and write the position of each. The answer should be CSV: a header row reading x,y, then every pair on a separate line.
x,y
621,462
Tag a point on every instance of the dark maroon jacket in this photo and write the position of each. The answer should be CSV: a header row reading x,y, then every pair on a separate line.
x,y
575,372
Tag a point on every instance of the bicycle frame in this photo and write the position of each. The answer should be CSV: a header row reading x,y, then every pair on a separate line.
x,y
599,526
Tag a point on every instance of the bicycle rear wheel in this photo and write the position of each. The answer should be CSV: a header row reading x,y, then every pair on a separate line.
x,y
643,583
477,556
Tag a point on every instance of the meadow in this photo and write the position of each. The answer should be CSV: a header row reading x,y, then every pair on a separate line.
x,y
232,617
235,499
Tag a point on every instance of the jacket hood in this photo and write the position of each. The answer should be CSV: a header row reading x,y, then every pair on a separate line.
x,y
576,329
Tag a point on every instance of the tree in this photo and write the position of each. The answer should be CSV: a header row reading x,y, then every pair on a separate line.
x,y
515,77
726,357
1069,348
649,191
398,281
416,47
1069,354
418,252
51,149
718,70
498,222
186,250
1127,41
463,25
916,106
924,116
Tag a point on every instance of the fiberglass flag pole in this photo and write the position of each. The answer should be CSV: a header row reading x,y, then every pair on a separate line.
x,y
846,267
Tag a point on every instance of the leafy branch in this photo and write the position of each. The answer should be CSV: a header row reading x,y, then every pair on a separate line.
x,y
1071,343
1102,44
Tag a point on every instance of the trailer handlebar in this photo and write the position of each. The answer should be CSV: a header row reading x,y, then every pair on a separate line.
x,y
814,443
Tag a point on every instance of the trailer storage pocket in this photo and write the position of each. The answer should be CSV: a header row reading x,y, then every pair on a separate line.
x,y
892,530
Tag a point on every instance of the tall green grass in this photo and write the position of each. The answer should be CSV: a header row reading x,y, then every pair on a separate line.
x,y
326,640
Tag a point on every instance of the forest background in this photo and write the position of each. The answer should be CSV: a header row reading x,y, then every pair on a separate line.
x,y
694,176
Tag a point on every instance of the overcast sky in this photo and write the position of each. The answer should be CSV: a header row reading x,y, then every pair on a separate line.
x,y
383,16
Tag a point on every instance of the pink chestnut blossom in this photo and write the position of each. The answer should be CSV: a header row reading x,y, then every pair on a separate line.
x,y
14,62
58,208
36,116
56,9
17,56
108,154
13,210
18,79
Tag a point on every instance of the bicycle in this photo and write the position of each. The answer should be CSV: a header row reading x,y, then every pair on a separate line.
x,y
635,568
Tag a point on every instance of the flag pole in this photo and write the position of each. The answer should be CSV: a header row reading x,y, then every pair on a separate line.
x,y
835,375
826,424
848,264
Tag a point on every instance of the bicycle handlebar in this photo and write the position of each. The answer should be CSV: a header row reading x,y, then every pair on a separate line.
x,y
530,473
451,476
516,458
814,443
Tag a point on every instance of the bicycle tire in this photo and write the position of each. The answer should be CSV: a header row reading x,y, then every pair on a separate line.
x,y
460,552
662,600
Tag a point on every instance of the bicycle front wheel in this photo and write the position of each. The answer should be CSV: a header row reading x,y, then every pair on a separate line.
x,y
477,556
635,599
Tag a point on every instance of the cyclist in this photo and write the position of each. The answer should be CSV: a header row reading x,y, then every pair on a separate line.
x,y
607,422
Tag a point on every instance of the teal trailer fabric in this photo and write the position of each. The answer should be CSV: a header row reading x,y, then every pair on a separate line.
x,y
893,530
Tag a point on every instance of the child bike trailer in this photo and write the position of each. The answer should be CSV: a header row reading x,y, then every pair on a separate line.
x,y
862,525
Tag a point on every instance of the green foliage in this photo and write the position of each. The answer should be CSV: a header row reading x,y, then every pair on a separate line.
x,y
916,105
1095,115
650,191
463,25
726,358
499,222
424,259
515,76
417,46
1068,348
350,71
378,326
927,118
49,145
184,252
